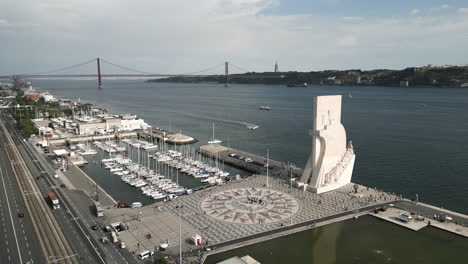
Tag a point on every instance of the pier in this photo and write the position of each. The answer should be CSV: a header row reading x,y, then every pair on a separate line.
x,y
161,135
257,165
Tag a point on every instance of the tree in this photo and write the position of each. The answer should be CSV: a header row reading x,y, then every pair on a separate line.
x,y
356,187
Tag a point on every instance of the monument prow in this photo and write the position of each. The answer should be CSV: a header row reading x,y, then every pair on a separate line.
x,y
330,165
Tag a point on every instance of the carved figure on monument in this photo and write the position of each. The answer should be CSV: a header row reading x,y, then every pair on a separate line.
x,y
330,165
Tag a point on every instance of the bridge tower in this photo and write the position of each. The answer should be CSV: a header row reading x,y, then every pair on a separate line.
x,y
226,73
99,73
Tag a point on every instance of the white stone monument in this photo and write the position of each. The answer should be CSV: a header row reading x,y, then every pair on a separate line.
x,y
331,162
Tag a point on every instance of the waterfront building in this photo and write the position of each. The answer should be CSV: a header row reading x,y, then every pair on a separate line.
x,y
404,83
109,123
32,94
331,162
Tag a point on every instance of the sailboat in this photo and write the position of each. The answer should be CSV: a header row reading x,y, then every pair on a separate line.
x,y
213,139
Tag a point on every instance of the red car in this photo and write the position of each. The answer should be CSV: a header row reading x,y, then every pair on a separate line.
x,y
123,205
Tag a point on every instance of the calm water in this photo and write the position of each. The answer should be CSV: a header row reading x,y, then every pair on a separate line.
x,y
365,241
408,141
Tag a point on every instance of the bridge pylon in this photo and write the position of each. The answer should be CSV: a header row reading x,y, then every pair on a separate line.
x,y
226,73
99,73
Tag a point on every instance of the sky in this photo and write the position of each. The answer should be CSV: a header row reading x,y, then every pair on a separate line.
x,y
176,36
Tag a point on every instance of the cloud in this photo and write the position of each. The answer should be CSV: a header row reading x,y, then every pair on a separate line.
x,y
353,18
180,36
414,12
463,10
4,22
347,41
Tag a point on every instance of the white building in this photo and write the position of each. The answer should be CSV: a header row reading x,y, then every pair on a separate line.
x,y
133,124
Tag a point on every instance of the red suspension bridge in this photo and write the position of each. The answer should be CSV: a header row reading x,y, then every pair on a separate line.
x,y
17,78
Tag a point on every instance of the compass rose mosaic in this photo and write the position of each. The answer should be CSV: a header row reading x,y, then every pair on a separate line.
x,y
250,206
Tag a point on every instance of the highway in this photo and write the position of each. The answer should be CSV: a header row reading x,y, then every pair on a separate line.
x,y
18,243
53,243
74,216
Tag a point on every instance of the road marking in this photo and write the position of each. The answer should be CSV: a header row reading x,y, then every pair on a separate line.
x,y
11,217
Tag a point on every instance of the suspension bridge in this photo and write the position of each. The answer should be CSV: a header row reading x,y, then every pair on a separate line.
x,y
17,78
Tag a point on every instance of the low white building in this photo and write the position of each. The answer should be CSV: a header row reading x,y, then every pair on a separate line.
x,y
133,124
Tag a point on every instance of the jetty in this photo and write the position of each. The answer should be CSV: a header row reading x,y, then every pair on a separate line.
x,y
161,135
247,161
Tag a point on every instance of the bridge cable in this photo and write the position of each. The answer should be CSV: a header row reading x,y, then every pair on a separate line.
x,y
61,69
126,68
239,68
142,72
207,69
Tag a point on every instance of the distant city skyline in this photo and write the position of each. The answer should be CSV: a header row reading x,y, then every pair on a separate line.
x,y
185,36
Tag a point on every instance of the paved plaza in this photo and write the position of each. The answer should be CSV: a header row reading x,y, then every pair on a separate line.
x,y
234,211
250,206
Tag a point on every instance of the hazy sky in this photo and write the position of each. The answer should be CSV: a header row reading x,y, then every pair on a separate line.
x,y
174,36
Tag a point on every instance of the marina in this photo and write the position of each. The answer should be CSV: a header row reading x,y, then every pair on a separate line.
x,y
224,209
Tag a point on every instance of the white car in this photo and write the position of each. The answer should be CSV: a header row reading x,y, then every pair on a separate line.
x,y
122,245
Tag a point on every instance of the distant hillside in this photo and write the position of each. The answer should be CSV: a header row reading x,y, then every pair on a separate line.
x,y
429,76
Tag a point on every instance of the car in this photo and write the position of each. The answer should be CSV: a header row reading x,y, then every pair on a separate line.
x,y
20,215
122,245
55,176
405,218
63,185
95,227
123,205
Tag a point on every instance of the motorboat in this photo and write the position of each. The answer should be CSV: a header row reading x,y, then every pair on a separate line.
x,y
264,107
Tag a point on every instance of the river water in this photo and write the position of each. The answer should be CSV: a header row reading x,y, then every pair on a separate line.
x,y
407,141
364,241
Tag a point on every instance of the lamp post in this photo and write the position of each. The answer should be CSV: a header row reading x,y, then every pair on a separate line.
x,y
267,167
290,193
179,207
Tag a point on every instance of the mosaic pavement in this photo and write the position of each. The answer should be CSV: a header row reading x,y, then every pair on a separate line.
x,y
250,206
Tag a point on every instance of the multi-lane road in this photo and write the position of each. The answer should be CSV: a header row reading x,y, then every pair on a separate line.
x,y
19,242
72,222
